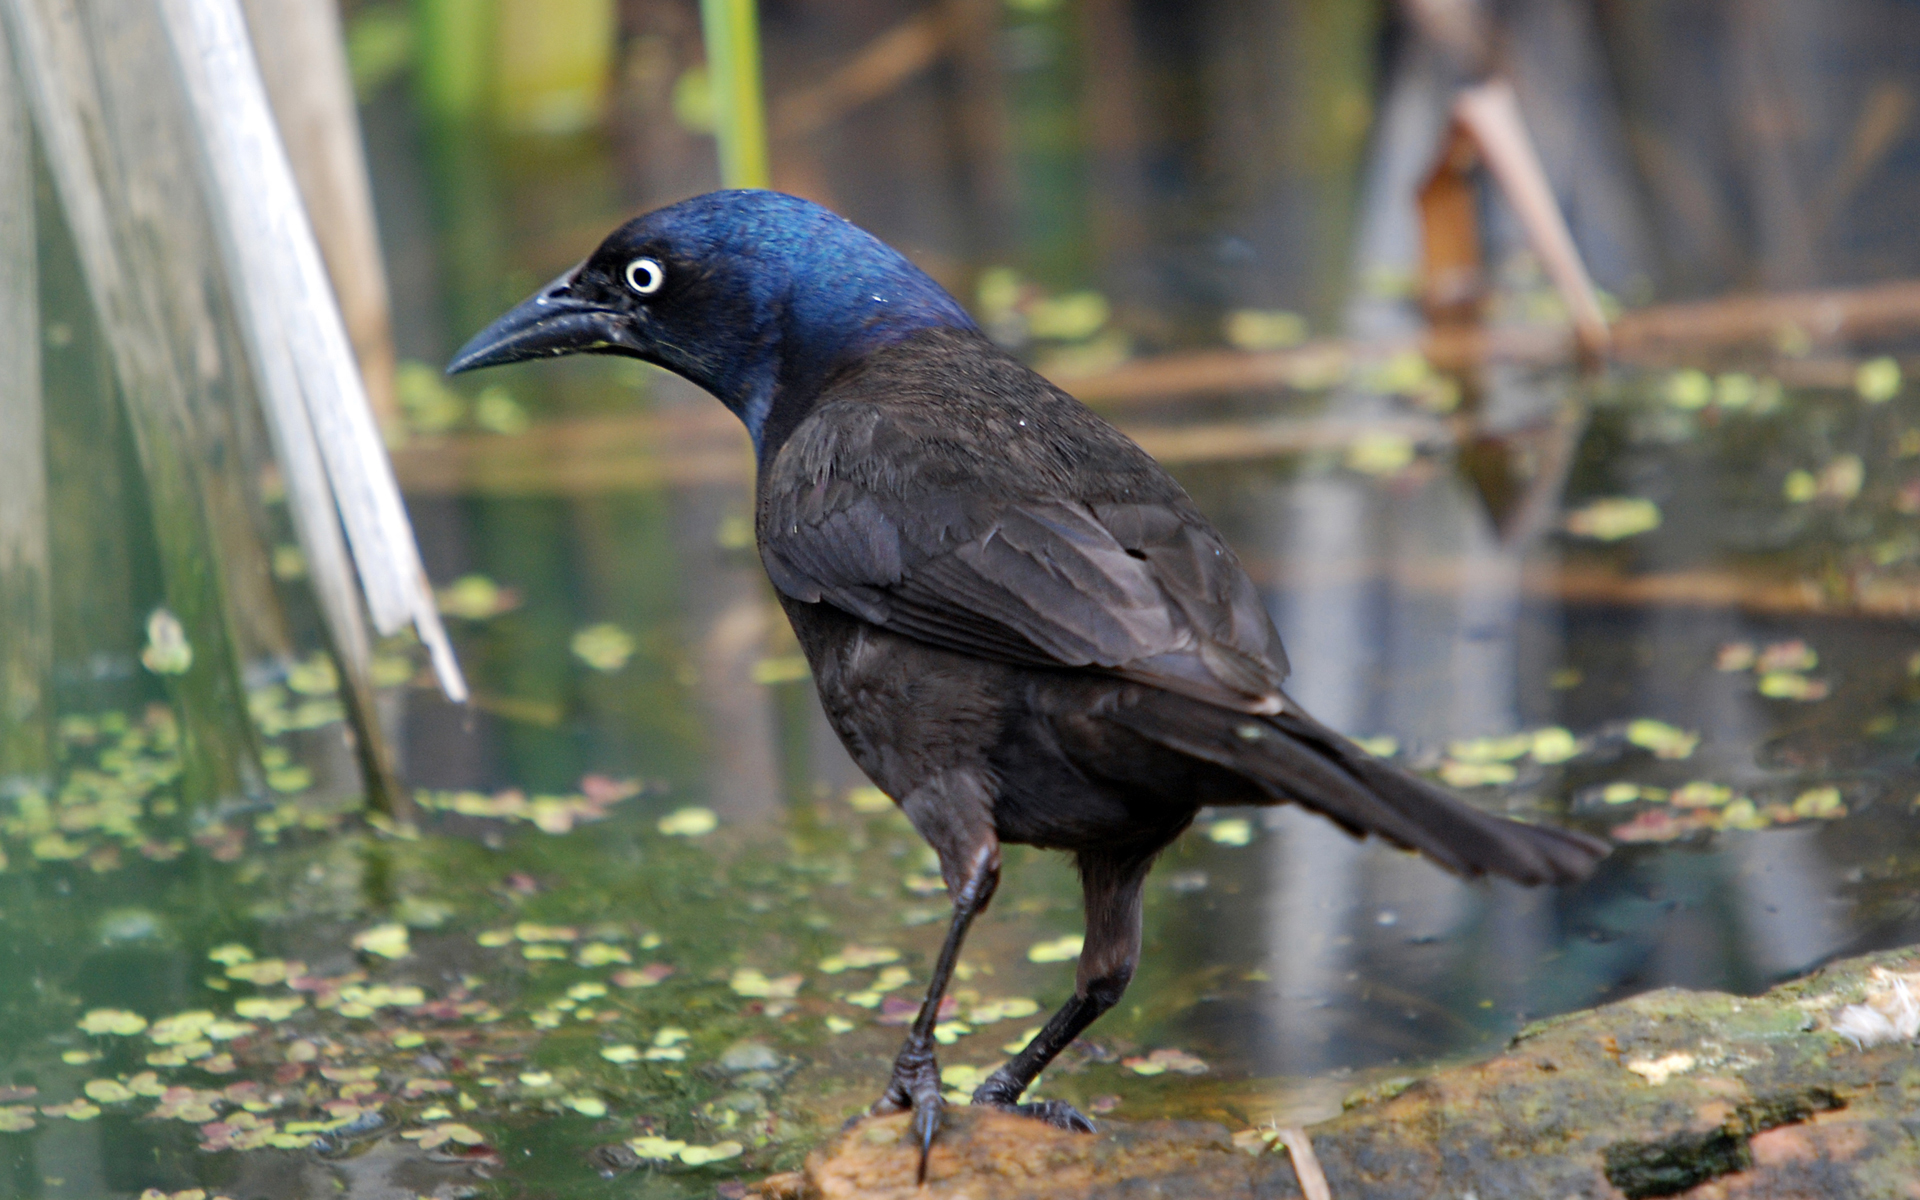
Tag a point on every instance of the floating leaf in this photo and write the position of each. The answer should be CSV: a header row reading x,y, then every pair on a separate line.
x,y
1234,831
1161,1061
1794,655
1664,740
1263,329
852,958
689,822
1791,685
1379,454
114,1021
644,977
181,1028
1662,825
1822,803
656,1149
1877,380
167,651
496,411
75,1110
1613,518
604,647
314,677
1472,774
787,668
1701,794
698,1156
988,1012
964,1077
1688,389
1492,749
107,1091
869,800
750,982
388,941
600,954
1554,744
622,1054
475,598
1060,949
439,1135
587,1106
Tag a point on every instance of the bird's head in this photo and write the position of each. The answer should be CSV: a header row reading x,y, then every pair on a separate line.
x,y
755,296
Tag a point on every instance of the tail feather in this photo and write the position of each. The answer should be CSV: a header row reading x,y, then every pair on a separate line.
x,y
1294,758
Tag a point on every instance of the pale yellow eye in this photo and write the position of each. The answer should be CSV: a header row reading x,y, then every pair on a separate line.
x,y
645,275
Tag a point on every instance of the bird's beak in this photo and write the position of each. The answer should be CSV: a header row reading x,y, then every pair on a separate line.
x,y
552,323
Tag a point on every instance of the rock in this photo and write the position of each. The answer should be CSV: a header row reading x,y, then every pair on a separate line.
x,y
1674,1093
988,1155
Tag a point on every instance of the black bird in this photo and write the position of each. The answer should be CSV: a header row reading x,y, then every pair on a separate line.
x,y
1020,625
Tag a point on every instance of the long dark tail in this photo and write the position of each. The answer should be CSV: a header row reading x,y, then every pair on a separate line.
x,y
1294,758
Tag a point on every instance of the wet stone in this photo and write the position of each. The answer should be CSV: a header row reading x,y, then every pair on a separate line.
x,y
1756,1097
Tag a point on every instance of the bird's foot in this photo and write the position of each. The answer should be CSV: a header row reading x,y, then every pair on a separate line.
x,y
915,1085
1057,1113
1003,1093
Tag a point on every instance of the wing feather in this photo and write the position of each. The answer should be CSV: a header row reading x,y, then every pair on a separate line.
x,y
1148,591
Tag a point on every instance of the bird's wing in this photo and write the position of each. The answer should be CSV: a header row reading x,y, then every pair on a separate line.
x,y
1148,591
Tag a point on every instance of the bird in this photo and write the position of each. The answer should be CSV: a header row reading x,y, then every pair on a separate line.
x,y
1021,627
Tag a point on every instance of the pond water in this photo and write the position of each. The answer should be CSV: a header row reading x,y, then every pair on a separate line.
x,y
651,933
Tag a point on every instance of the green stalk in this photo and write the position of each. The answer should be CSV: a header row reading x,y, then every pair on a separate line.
x,y
732,32
452,42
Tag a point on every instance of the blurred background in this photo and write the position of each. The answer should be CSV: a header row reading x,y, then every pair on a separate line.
x,y
1578,465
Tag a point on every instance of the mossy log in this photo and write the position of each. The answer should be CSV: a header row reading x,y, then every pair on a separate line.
x,y
1673,1093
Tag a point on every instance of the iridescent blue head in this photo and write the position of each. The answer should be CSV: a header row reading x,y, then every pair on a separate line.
x,y
758,297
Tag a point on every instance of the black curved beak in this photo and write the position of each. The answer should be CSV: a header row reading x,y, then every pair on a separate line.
x,y
552,323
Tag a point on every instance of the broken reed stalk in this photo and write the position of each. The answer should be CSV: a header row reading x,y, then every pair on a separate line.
x,y
282,287
108,146
303,60
263,293
731,30
26,599
1491,114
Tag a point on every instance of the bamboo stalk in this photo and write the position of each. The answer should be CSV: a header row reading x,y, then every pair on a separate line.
x,y
26,600
285,287
731,29
124,227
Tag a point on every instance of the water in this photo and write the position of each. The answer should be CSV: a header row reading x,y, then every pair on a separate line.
x,y
652,934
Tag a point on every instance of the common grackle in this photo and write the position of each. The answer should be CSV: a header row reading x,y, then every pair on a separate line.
x,y
1019,624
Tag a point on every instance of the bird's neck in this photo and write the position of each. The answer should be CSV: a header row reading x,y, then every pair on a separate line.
x,y
773,390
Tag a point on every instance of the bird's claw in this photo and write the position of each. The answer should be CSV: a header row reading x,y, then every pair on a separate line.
x,y
1057,1113
915,1085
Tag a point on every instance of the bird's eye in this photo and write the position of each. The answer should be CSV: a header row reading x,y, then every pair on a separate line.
x,y
645,275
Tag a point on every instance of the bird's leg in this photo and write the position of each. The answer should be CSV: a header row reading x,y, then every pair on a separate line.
x,y
1111,886
954,814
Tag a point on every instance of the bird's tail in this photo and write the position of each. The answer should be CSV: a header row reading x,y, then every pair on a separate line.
x,y
1294,758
